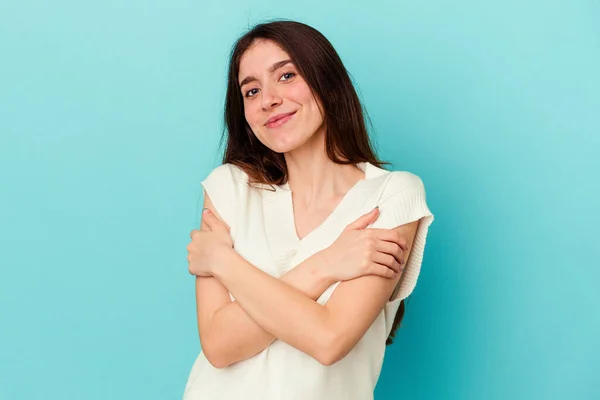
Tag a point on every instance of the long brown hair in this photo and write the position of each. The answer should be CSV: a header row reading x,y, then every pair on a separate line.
x,y
346,140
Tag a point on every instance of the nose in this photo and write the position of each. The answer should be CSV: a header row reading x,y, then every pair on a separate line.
x,y
270,98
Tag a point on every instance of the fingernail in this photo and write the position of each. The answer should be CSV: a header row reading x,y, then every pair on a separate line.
x,y
205,209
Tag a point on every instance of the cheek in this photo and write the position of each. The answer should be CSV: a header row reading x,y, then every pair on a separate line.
x,y
250,114
305,96
300,93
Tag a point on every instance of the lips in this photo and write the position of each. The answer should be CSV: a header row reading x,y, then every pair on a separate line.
x,y
273,120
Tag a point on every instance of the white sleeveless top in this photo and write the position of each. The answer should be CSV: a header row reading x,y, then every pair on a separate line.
x,y
262,227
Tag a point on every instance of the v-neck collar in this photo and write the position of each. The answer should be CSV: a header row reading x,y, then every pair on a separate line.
x,y
290,207
280,226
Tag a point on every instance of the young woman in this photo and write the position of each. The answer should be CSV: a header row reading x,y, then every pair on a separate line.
x,y
302,259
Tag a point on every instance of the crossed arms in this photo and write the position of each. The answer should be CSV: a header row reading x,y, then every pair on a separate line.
x,y
267,308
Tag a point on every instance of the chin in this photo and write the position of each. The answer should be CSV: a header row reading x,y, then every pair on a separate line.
x,y
279,142
284,141
283,147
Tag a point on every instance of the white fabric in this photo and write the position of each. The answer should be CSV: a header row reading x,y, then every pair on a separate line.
x,y
261,222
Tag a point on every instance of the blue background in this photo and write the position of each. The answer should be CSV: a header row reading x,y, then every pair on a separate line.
x,y
110,116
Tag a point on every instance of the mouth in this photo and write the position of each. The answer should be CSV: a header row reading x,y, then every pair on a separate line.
x,y
280,120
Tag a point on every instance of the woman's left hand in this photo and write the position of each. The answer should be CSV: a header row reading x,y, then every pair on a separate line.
x,y
208,246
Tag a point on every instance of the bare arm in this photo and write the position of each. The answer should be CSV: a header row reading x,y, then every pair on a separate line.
x,y
227,333
327,333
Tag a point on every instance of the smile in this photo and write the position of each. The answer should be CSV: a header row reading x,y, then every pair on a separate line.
x,y
280,121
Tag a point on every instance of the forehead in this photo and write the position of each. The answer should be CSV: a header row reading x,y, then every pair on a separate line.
x,y
259,57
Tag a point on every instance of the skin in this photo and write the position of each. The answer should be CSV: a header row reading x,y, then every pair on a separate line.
x,y
368,261
317,184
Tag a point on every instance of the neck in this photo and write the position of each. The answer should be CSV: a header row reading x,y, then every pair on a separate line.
x,y
313,178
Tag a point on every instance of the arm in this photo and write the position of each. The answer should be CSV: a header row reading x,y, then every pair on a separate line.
x,y
227,333
326,333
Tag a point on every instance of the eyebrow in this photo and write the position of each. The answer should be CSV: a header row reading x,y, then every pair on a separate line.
x,y
272,69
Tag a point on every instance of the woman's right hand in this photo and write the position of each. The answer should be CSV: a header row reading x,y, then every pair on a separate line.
x,y
360,251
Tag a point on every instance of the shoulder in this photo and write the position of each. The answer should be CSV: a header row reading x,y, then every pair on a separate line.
x,y
401,182
228,173
401,200
225,185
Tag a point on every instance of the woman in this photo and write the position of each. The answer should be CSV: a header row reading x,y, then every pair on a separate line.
x,y
302,307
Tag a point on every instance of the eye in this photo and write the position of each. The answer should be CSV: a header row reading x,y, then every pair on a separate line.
x,y
248,93
288,74
252,92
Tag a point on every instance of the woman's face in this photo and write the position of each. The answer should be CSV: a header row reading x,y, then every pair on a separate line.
x,y
272,88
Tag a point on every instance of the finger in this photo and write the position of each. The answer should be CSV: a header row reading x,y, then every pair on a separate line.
x,y
213,222
364,220
391,248
194,233
382,270
210,219
204,224
387,260
390,235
